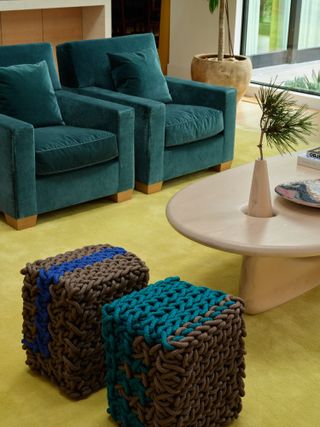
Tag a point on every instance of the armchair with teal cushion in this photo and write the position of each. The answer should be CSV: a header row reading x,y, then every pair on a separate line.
x,y
71,150
180,126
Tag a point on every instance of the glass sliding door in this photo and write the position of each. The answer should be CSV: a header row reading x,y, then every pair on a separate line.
x,y
278,32
268,26
309,31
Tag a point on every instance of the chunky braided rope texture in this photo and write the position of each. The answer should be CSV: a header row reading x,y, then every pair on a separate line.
x,y
175,356
62,301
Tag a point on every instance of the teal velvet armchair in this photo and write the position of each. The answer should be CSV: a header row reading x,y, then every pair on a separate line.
x,y
87,153
191,130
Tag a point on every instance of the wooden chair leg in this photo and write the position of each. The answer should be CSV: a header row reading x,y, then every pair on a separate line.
x,y
148,188
21,223
222,166
122,196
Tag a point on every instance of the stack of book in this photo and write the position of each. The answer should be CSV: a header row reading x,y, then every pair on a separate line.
x,y
310,158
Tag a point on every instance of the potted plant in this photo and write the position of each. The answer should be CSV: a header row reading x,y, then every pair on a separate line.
x,y
222,69
282,125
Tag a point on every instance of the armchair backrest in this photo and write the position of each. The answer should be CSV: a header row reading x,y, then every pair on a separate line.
x,y
85,63
30,53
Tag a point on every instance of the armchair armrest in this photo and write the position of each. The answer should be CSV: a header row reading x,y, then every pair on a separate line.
x,y
196,93
17,170
87,112
149,131
121,98
218,97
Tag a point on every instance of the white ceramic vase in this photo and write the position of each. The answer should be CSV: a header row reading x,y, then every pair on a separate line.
x,y
260,204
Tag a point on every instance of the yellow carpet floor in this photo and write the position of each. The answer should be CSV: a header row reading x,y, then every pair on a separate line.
x,y
283,344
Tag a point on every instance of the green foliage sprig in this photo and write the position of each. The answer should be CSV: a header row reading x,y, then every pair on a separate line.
x,y
305,82
213,4
282,122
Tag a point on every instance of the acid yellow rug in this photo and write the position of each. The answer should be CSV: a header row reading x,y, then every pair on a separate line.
x,y
283,344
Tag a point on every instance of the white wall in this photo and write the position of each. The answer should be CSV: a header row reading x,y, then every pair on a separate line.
x,y
193,29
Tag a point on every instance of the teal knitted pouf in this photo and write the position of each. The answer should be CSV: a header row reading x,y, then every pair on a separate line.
x,y
174,356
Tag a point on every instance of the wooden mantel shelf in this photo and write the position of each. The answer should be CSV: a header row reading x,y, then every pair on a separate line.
x,y
7,5
54,21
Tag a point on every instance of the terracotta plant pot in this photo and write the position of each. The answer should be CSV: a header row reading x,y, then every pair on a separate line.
x,y
232,71
260,204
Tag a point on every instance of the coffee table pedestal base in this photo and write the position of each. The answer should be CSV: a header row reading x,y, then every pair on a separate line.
x,y
267,282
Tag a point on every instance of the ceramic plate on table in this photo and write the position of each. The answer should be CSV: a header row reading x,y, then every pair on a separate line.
x,y
306,192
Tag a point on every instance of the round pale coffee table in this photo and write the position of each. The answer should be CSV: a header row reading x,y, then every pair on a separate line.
x,y
281,254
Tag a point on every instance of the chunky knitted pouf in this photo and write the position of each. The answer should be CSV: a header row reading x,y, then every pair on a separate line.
x,y
175,356
62,300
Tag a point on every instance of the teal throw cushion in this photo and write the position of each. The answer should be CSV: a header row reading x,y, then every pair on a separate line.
x,y
26,93
139,74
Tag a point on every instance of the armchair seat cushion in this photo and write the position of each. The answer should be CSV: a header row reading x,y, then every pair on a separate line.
x,y
66,148
190,123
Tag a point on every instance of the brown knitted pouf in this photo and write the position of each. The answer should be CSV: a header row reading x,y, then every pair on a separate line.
x,y
175,356
62,301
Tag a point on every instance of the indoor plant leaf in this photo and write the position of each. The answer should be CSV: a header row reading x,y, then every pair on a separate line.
x,y
213,4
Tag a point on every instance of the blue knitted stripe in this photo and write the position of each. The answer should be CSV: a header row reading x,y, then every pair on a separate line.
x,y
155,313
43,298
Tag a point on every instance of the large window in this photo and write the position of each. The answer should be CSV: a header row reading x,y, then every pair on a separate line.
x,y
278,32
268,24
309,30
